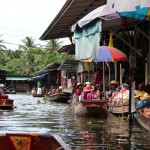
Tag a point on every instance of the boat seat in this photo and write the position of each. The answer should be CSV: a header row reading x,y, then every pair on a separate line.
x,y
3,96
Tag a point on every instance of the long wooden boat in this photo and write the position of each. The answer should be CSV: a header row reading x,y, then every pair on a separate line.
x,y
6,104
143,120
63,97
95,108
32,142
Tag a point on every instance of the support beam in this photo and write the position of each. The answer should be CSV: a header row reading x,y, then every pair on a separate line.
x,y
123,40
143,33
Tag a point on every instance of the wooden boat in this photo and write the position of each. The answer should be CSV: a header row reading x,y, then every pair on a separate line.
x,y
38,95
117,110
62,97
32,142
6,104
143,120
93,108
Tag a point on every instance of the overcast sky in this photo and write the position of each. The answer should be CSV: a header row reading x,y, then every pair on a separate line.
x,y
21,18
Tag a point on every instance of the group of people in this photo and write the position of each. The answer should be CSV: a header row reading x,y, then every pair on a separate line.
x,y
87,92
41,91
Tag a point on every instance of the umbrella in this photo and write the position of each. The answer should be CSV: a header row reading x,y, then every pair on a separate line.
x,y
139,9
108,54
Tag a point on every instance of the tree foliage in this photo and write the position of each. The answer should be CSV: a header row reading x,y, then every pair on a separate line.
x,y
29,58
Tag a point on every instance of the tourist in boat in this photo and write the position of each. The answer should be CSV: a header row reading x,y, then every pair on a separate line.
x,y
113,86
39,91
33,91
77,94
57,91
88,91
97,95
78,89
2,89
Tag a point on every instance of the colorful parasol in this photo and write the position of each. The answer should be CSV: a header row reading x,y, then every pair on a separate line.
x,y
107,53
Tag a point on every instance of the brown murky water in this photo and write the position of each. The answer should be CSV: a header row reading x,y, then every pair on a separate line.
x,y
78,132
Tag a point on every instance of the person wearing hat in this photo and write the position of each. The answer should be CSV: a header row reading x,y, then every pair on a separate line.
x,y
88,89
114,87
146,96
78,89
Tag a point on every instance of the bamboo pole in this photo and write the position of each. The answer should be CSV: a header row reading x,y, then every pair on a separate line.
x,y
146,73
121,88
109,77
115,71
104,78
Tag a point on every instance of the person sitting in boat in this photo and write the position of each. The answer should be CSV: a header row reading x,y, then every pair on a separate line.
x,y
78,89
60,89
97,95
57,91
39,91
113,86
33,91
88,89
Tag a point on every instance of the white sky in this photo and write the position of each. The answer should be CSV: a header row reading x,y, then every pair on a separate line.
x,y
21,18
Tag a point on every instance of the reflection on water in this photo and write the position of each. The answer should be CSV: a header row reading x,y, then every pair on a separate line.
x,y
79,132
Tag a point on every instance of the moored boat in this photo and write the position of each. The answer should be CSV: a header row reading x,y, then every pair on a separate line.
x,y
62,97
32,142
6,104
118,110
95,108
143,119
38,95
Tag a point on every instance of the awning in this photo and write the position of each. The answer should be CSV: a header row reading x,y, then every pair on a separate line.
x,y
69,64
17,78
68,49
40,76
71,12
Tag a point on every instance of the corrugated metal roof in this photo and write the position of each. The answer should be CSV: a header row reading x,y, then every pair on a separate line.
x,y
71,12
69,64
68,49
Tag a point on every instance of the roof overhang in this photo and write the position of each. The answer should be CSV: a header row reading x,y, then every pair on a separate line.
x,y
69,64
71,12
68,49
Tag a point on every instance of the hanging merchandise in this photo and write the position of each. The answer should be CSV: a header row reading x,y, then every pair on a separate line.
x,y
87,40
73,80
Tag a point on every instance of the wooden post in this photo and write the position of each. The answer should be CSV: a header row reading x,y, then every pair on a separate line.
x,y
121,88
104,78
115,71
109,77
146,73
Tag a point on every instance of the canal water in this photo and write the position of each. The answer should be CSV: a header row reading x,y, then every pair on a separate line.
x,y
34,115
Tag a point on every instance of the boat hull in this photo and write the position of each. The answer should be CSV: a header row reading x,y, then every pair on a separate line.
x,y
117,110
92,108
37,142
62,98
143,120
6,104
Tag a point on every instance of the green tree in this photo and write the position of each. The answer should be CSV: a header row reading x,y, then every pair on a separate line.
x,y
2,47
53,45
28,43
